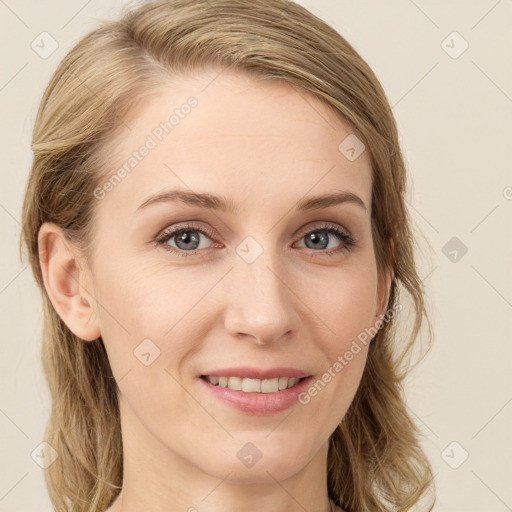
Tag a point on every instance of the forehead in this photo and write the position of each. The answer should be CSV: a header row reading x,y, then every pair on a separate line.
x,y
224,131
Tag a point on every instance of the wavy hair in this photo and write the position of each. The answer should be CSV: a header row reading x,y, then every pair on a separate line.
x,y
375,460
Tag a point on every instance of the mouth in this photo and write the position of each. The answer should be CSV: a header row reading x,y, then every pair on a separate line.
x,y
256,390
250,385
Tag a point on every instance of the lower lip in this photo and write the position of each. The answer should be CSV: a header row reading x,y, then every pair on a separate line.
x,y
259,403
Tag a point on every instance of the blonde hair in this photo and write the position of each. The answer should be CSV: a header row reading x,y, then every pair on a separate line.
x,y
375,461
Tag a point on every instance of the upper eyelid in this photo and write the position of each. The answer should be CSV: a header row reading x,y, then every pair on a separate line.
x,y
166,232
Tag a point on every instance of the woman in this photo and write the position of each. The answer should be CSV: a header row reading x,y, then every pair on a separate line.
x,y
216,218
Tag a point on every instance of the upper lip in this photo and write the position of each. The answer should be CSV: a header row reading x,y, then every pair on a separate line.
x,y
250,372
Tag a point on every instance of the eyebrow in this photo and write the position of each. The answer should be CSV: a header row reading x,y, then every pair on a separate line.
x,y
211,202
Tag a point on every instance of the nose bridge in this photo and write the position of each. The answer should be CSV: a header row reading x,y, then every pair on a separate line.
x,y
260,303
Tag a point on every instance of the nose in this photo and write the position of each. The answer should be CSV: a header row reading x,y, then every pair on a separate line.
x,y
261,305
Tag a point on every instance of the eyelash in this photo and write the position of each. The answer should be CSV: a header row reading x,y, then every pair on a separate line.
x,y
165,236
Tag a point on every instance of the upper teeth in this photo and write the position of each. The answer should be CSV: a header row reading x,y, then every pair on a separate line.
x,y
253,385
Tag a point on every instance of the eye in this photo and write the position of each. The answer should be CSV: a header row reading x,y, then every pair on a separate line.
x,y
185,240
319,239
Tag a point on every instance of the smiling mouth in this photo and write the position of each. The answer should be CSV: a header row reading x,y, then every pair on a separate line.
x,y
248,385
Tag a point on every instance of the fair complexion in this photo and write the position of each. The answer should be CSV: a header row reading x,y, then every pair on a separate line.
x,y
264,147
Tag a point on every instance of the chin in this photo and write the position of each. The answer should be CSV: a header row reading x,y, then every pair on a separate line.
x,y
258,462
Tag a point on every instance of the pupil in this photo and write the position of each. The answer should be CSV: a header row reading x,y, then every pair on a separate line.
x,y
316,240
187,239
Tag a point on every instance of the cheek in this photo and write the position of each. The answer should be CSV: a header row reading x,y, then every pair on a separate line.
x,y
346,309
345,304
130,313
148,310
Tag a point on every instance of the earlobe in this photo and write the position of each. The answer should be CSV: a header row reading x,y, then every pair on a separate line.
x,y
64,282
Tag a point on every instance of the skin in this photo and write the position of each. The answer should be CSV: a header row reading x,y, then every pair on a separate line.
x,y
264,146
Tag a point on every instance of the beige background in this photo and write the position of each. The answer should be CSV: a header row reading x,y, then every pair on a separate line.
x,y
454,117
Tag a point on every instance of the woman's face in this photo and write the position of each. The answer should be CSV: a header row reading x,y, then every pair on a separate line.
x,y
255,288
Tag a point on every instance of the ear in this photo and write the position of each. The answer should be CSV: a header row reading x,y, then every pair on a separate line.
x,y
385,280
65,281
